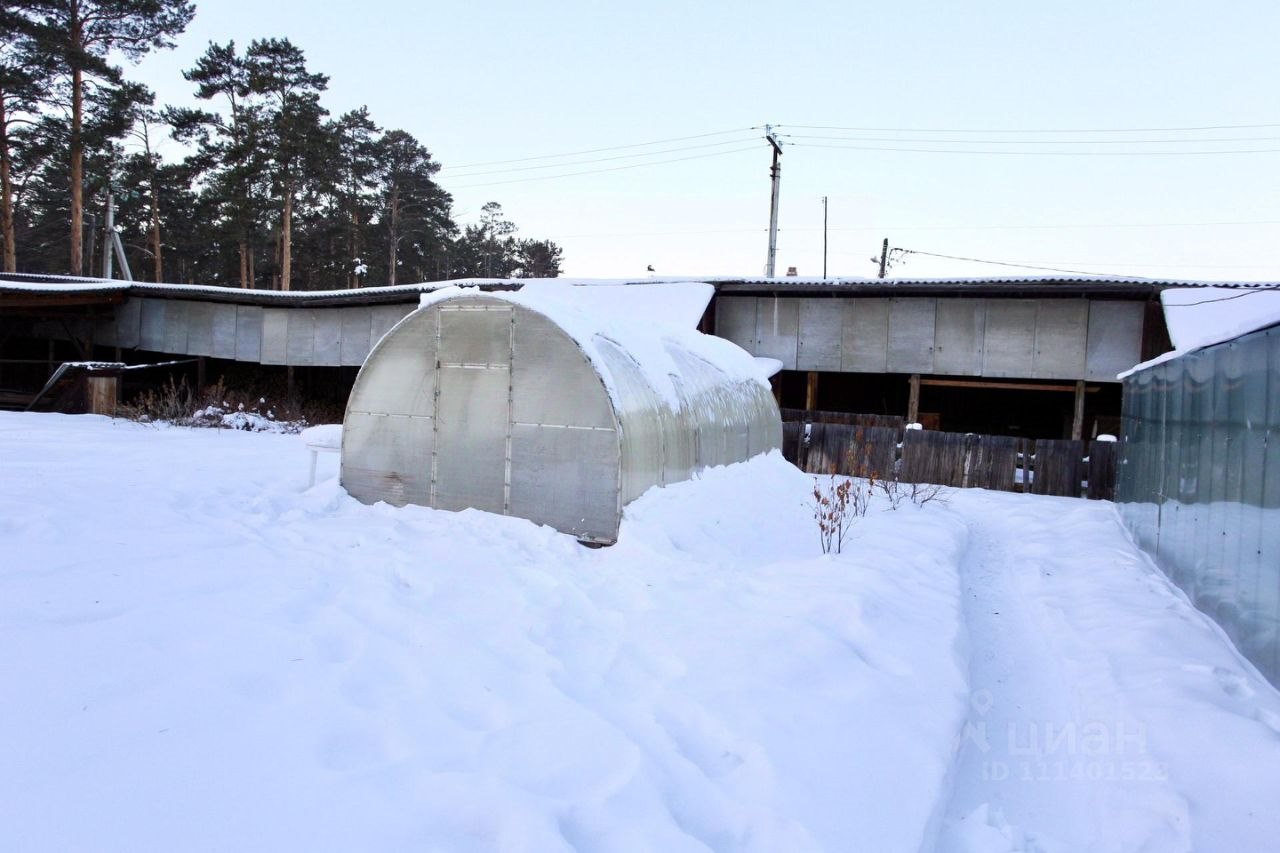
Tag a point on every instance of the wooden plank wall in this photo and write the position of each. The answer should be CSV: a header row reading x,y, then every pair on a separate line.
x,y
849,444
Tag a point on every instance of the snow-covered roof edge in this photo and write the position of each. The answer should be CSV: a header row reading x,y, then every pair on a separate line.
x,y
1200,317
643,319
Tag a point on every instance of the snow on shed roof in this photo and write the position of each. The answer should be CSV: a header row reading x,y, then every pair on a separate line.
x,y
644,319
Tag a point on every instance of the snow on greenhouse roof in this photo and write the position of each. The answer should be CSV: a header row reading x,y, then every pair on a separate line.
x,y
643,319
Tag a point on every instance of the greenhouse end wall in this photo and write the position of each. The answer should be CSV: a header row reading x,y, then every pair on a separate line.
x,y
1199,483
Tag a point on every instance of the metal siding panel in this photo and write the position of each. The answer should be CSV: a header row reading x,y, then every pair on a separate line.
x,y
224,331
300,337
356,323
1061,329
383,317
1009,342
958,335
151,325
864,346
911,325
567,478
128,322
736,320
249,328
327,345
471,438
777,327
275,336
821,326
200,328
176,324
1115,339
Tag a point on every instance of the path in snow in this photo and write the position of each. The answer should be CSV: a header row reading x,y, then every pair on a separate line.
x,y
1106,714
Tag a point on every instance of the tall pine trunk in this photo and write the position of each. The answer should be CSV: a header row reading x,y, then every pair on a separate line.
x,y
286,241
155,228
77,165
395,237
6,194
244,263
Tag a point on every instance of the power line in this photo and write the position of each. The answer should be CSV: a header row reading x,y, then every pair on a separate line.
x,y
1065,226
1042,153
602,159
610,169
935,141
1028,130
1259,288
1005,263
599,150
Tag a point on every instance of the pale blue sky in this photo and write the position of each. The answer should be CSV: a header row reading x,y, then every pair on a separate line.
x,y
504,80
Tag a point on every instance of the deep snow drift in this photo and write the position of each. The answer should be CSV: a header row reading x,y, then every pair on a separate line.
x,y
201,654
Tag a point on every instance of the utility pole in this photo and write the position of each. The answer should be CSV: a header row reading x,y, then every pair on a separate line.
x,y
775,175
884,257
824,236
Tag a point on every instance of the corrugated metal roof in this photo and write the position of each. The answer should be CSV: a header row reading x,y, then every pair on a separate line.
x,y
409,293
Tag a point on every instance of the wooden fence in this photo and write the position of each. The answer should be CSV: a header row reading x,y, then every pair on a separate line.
x,y
863,445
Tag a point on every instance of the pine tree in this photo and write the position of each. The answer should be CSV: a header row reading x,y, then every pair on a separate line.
x,y
81,36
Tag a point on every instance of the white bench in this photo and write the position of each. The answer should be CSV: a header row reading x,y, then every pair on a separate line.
x,y
325,438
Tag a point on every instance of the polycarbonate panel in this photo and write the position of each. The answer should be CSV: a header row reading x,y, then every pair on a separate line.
x,y
356,325
1009,342
736,320
576,397
175,327
1114,342
472,419
1062,327
327,345
1199,483
641,416
275,335
128,320
151,325
566,477
911,328
821,328
224,331
387,458
958,333
400,376
249,323
474,333
864,345
300,337
777,330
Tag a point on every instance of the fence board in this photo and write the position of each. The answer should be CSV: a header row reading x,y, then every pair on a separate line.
x,y
930,456
852,418
995,463
792,441
1102,471
1058,467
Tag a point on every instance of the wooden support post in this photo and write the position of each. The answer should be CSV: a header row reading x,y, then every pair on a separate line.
x,y
1077,420
913,399
288,372
775,385
200,373
811,391
102,394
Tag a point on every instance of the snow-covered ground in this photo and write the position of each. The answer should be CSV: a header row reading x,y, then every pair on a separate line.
x,y
199,653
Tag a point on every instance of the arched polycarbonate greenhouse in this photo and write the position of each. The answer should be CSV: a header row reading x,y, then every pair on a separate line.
x,y
558,403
